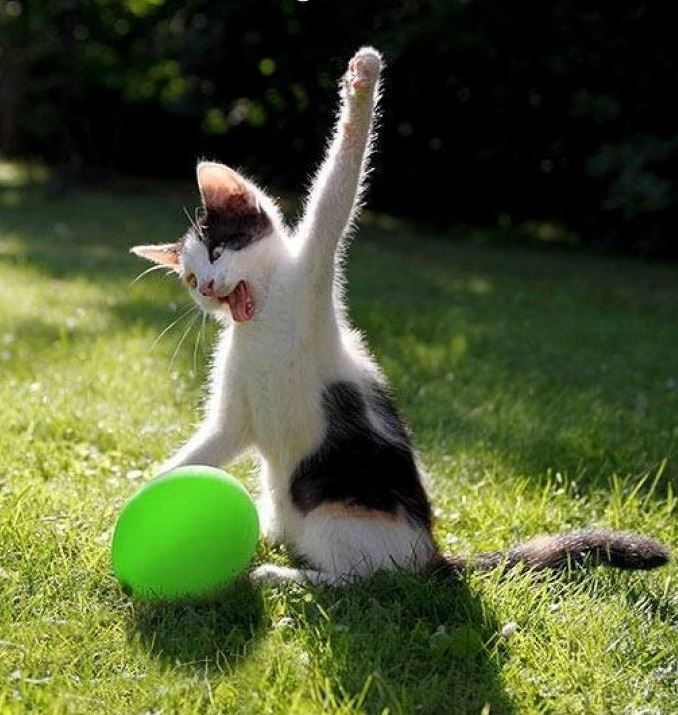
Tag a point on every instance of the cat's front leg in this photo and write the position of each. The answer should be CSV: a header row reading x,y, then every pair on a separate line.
x,y
213,445
360,79
335,194
269,518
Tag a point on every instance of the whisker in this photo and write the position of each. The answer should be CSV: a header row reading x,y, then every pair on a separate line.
x,y
173,323
181,342
203,330
199,214
147,271
197,342
190,218
195,222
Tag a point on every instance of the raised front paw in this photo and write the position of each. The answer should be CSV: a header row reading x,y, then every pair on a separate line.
x,y
363,69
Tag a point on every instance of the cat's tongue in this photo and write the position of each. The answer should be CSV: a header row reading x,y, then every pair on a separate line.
x,y
241,304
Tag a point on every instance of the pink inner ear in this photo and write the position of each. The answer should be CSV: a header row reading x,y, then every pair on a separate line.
x,y
166,254
219,185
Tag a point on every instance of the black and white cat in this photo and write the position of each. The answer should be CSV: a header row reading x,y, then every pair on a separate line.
x,y
340,483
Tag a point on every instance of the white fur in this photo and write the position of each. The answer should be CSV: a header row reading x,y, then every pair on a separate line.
x,y
347,549
269,373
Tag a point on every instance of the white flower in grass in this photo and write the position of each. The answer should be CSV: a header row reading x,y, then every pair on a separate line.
x,y
509,630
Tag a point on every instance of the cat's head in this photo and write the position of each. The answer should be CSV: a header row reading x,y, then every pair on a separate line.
x,y
226,258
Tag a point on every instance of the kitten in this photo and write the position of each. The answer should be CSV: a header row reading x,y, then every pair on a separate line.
x,y
339,479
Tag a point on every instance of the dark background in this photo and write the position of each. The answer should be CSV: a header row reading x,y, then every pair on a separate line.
x,y
494,112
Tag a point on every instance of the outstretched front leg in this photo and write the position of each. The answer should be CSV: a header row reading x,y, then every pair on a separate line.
x,y
225,431
335,194
214,444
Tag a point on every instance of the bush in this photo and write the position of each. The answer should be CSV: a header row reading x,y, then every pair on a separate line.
x,y
533,110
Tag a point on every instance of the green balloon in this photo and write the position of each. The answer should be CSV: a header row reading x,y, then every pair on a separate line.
x,y
185,535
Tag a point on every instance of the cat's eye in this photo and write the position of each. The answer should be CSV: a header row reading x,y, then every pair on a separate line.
x,y
191,280
217,251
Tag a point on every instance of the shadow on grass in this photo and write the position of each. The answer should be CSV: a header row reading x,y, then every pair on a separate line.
x,y
393,642
653,601
400,644
206,636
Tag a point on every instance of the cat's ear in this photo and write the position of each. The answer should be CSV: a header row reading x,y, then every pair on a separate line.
x,y
165,254
223,189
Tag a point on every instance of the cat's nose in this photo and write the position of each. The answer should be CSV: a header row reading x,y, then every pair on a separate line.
x,y
207,289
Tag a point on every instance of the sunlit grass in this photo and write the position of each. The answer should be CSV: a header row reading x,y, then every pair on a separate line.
x,y
541,388
17,174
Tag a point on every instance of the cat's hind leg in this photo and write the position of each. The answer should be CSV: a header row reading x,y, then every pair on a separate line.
x,y
343,543
272,573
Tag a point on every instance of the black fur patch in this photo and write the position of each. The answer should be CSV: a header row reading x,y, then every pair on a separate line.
x,y
234,228
356,464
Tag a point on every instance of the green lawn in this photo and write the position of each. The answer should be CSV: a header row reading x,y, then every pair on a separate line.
x,y
541,385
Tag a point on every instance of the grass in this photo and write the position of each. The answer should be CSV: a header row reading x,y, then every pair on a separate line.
x,y
542,390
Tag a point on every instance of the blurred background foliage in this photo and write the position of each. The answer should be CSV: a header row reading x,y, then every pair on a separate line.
x,y
495,112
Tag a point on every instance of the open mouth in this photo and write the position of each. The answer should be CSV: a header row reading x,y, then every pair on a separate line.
x,y
240,302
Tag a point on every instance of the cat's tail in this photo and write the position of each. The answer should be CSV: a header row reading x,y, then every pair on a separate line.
x,y
600,547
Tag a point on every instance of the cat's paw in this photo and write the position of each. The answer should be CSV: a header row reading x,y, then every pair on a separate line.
x,y
363,70
270,573
167,466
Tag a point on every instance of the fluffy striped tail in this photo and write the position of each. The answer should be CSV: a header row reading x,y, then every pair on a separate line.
x,y
576,548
